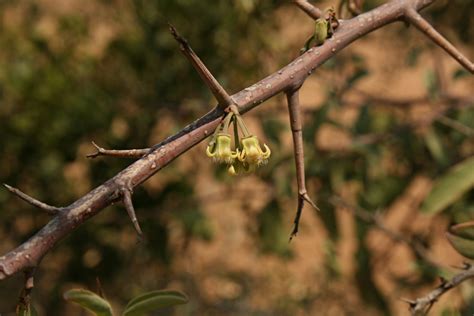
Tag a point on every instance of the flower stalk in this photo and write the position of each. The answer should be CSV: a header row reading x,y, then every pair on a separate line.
x,y
246,154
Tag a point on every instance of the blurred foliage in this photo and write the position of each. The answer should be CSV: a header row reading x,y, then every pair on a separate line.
x,y
109,71
141,305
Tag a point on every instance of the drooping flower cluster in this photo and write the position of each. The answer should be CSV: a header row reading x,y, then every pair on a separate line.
x,y
245,154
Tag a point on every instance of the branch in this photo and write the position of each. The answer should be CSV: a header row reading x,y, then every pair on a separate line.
x,y
127,153
30,253
372,219
296,130
421,24
51,210
421,306
223,98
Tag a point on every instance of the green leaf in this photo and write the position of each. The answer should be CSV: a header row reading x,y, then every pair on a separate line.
x,y
450,187
461,237
154,300
435,146
90,301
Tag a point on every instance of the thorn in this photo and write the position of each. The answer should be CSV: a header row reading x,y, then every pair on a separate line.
x,y
51,210
426,28
223,98
308,199
127,200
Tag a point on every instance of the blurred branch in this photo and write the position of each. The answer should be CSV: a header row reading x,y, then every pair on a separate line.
x,y
422,305
309,9
353,6
461,128
30,253
373,219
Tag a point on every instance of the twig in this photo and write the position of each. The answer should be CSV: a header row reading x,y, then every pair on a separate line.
x,y
126,153
424,26
298,147
372,219
223,98
24,303
422,305
309,9
461,128
51,210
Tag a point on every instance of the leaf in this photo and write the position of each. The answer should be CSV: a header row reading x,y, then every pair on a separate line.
x,y
461,237
154,300
90,301
435,146
450,187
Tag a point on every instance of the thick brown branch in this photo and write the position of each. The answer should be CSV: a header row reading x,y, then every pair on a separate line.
x,y
30,253
298,147
223,98
126,153
51,210
309,9
421,306
420,23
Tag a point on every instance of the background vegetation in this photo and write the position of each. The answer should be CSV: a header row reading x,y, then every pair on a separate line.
x,y
378,131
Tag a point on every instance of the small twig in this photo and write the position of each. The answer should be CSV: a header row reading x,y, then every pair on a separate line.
x,y
24,302
424,26
422,305
126,153
461,128
296,130
127,201
223,98
51,210
309,9
372,219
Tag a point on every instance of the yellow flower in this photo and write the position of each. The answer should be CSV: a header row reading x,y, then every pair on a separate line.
x,y
220,149
252,153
